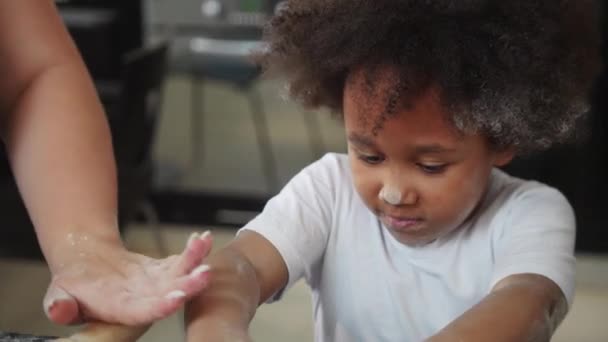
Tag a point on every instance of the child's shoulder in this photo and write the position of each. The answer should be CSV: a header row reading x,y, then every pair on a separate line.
x,y
511,193
506,184
328,176
333,160
332,166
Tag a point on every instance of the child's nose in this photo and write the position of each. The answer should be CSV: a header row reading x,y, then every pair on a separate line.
x,y
410,197
394,195
390,195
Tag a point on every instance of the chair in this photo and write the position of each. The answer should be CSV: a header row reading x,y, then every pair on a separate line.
x,y
211,40
211,59
133,107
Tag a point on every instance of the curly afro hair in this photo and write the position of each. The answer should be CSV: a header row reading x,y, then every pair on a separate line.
x,y
518,71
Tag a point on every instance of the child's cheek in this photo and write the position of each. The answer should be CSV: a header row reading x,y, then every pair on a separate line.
x,y
365,182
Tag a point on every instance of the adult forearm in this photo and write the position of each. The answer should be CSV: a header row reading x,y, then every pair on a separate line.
x,y
60,150
226,307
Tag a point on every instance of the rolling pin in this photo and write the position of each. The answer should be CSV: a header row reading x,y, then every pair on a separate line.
x,y
103,332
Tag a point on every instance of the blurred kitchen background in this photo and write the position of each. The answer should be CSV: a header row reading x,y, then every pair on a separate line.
x,y
202,141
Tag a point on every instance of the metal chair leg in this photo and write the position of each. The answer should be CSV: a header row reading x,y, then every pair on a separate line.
x,y
269,165
151,218
196,117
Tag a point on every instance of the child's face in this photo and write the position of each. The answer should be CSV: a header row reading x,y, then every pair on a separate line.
x,y
418,174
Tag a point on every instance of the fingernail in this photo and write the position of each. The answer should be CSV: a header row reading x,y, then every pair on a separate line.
x,y
205,235
56,296
177,294
48,307
192,237
199,270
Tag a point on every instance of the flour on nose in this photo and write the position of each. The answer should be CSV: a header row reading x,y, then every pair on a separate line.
x,y
390,195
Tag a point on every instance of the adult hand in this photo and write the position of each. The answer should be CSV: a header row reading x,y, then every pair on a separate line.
x,y
102,281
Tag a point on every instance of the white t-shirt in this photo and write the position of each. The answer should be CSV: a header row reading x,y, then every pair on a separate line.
x,y
369,287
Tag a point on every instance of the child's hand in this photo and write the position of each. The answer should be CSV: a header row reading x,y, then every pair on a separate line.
x,y
103,281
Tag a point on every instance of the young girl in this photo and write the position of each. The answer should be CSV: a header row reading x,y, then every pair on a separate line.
x,y
416,234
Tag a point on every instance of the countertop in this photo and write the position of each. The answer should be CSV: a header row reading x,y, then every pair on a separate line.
x,y
11,337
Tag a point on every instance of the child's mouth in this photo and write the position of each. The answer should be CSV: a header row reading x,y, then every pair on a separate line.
x,y
402,224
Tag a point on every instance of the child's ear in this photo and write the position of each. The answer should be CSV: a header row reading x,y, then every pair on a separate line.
x,y
503,156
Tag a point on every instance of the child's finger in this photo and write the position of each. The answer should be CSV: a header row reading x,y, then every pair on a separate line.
x,y
197,248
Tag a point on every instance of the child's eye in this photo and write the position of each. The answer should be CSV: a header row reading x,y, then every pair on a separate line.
x,y
433,169
373,160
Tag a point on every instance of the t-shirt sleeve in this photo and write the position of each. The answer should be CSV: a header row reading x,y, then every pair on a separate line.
x,y
297,221
538,237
